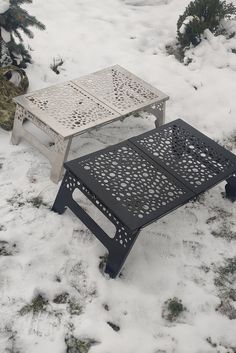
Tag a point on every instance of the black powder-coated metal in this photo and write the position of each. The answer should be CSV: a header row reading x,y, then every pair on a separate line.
x,y
230,188
134,187
193,158
138,181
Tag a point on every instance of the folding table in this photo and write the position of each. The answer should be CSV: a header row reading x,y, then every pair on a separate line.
x,y
140,180
68,109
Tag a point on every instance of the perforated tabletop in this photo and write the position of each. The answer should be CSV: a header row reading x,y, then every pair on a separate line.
x,y
67,108
135,188
193,158
143,178
120,89
149,175
75,106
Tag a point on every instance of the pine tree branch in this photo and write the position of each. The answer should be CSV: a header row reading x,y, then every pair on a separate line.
x,y
28,20
18,35
27,31
20,2
16,20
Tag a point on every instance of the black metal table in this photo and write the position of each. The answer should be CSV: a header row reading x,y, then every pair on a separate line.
x,y
136,182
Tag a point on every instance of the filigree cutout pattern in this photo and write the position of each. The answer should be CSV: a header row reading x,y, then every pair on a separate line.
x,y
118,89
59,142
71,183
70,105
184,154
122,237
20,113
158,107
136,184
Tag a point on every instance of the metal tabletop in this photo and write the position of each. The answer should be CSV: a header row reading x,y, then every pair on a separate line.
x,y
192,157
75,106
147,176
120,89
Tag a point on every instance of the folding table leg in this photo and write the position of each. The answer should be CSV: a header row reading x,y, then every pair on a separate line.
x,y
230,188
56,154
158,110
62,197
65,199
16,132
118,252
62,148
118,247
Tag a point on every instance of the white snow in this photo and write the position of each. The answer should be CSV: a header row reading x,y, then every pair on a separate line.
x,y
4,6
213,52
187,20
146,2
6,36
174,257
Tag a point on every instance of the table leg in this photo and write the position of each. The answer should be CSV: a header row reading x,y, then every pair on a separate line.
x,y
56,154
230,188
62,148
119,246
17,127
158,110
120,249
65,199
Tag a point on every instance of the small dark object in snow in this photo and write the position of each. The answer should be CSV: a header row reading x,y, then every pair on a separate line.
x,y
213,344
106,307
56,64
58,279
102,263
225,308
38,304
173,307
37,201
113,326
76,345
61,298
74,308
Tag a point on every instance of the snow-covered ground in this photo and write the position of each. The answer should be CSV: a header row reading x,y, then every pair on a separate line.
x,y
52,294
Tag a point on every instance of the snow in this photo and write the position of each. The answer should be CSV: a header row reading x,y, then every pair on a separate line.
x,y
4,6
6,36
214,52
146,2
174,257
187,20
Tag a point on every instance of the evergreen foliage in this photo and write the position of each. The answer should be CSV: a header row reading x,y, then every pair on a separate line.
x,y
13,22
9,90
200,15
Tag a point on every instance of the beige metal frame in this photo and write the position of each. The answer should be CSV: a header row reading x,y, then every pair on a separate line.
x,y
66,110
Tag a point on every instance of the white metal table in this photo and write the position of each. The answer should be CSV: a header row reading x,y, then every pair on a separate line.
x,y
66,110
